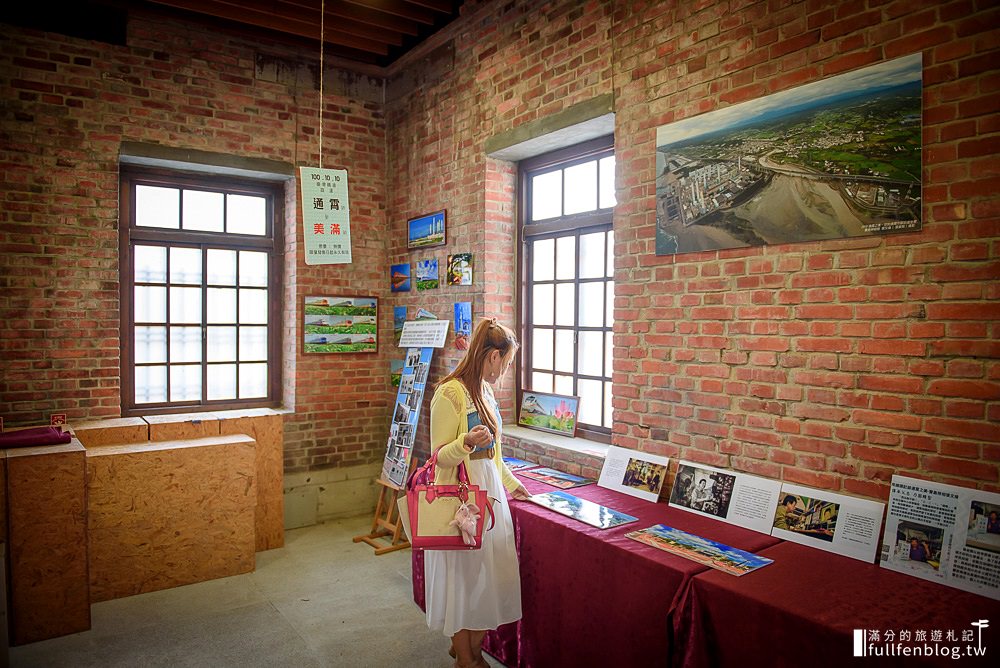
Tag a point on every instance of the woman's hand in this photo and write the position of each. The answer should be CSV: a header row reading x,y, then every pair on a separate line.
x,y
521,494
479,437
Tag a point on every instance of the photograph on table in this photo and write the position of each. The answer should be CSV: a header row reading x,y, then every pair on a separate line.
x,y
398,320
557,478
737,498
395,372
545,411
427,230
984,526
515,464
460,269
827,521
638,474
427,274
941,532
399,275
338,324
703,489
582,510
702,550
919,545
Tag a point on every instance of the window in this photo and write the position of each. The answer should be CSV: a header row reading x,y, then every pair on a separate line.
x,y
200,293
567,274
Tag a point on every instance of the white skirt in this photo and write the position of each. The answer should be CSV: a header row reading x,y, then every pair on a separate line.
x,y
479,589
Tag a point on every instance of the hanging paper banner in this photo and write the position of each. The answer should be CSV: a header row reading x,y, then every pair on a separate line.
x,y
326,215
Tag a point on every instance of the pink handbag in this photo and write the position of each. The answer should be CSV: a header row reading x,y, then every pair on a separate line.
x,y
446,517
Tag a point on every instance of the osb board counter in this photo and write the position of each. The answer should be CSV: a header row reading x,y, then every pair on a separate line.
x,y
169,513
47,541
184,425
110,431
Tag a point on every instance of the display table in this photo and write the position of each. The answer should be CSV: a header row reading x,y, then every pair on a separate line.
x,y
593,597
807,604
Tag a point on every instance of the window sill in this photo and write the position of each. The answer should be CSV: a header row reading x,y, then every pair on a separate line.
x,y
577,446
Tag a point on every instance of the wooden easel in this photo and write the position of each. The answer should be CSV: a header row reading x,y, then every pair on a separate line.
x,y
386,524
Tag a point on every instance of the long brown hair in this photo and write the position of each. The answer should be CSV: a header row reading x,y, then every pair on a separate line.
x,y
488,336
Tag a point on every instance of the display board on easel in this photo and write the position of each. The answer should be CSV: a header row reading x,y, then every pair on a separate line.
x,y
419,338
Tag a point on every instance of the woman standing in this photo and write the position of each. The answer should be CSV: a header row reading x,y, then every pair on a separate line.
x,y
471,592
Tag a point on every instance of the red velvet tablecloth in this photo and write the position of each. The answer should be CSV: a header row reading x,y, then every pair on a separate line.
x,y
592,597
802,610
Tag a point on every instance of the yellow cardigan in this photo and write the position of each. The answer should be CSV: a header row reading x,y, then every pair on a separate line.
x,y
449,425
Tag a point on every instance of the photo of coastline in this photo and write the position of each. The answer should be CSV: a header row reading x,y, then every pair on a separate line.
x,y
831,159
702,550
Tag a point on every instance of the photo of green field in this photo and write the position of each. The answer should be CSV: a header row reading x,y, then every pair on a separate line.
x,y
340,325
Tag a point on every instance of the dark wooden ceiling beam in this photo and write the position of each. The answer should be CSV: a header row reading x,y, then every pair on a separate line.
x,y
336,10
241,13
443,6
398,8
309,12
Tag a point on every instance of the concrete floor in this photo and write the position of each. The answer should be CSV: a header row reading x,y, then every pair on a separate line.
x,y
320,601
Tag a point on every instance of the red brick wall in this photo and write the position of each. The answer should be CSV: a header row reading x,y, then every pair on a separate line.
x,y
834,364
67,106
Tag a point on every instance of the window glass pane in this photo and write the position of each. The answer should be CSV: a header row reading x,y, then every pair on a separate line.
x,y
222,305
150,384
253,306
608,408
592,304
221,344
150,304
245,214
566,304
150,344
566,257
564,385
541,382
185,266
609,305
157,207
541,348
253,269
185,344
185,305
590,357
541,304
609,349
565,350
592,256
581,188
253,344
591,393
543,260
546,196
221,267
203,211
608,182
185,382
221,382
611,255
253,381
150,264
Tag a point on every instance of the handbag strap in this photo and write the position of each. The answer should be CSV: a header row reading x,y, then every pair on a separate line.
x,y
425,474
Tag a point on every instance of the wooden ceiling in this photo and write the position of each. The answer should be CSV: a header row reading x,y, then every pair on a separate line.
x,y
370,32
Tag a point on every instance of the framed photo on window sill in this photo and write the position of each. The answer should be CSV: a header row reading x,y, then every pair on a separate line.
x,y
427,230
554,413
339,324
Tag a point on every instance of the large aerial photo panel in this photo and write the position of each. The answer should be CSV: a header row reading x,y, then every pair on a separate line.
x,y
831,159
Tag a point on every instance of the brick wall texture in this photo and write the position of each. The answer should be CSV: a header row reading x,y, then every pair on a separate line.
x,y
833,364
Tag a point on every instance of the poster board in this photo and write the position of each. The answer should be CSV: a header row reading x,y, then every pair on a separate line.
x,y
943,533
635,473
832,522
737,498
406,414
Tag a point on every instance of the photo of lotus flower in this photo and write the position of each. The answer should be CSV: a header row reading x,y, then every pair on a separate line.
x,y
549,412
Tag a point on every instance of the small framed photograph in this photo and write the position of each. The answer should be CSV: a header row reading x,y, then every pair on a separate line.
x,y
427,230
340,325
427,274
400,277
554,413
460,269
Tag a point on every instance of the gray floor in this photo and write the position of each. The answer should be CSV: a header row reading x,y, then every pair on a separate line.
x,y
321,600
